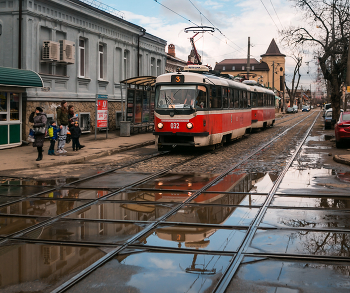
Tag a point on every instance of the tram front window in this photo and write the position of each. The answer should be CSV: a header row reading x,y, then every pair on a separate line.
x,y
184,97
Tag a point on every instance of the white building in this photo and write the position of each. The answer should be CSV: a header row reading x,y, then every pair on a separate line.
x,y
79,51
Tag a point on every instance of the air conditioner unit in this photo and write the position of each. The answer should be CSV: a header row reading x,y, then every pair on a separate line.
x,y
67,51
51,51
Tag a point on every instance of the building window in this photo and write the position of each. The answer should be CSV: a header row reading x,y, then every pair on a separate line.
x,y
153,66
82,59
158,67
223,68
233,68
126,64
253,67
101,60
242,67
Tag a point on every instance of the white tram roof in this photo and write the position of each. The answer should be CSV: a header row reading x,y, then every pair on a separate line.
x,y
192,77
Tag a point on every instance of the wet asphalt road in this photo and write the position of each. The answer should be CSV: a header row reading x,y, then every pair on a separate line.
x,y
301,245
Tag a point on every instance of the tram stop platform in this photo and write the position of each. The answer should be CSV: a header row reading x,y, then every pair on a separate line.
x,y
24,157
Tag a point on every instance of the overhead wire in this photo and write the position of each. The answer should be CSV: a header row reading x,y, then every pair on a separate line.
x,y
214,25
276,14
269,14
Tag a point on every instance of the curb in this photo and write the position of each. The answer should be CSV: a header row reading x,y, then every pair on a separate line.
x,y
83,159
341,160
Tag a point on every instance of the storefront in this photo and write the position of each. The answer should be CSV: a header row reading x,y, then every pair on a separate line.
x,y
13,83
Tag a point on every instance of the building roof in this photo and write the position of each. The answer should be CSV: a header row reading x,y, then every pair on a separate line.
x,y
238,63
19,78
273,50
176,59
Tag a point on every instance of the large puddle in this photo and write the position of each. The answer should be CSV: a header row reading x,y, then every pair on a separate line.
x,y
265,275
150,272
41,268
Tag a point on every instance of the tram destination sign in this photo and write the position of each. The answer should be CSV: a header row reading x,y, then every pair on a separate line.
x,y
177,78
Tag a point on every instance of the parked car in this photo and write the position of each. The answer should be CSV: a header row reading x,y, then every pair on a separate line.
x,y
295,107
326,107
342,129
305,109
290,110
328,119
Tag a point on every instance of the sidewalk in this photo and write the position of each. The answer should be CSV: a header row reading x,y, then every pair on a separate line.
x,y
24,157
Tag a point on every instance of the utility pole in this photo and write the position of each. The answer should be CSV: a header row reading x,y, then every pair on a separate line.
x,y
273,75
248,59
347,80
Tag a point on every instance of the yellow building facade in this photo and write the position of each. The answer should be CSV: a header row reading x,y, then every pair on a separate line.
x,y
269,71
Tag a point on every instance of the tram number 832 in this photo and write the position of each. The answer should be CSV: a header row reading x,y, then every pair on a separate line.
x,y
174,125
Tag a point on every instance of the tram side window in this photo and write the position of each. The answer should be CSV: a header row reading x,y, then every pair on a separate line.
x,y
236,99
224,97
248,100
201,100
245,103
240,99
215,97
260,100
254,100
230,98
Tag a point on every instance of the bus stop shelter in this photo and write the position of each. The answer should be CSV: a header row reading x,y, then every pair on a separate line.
x,y
139,102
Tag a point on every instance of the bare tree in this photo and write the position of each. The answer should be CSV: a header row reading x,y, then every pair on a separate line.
x,y
295,80
328,33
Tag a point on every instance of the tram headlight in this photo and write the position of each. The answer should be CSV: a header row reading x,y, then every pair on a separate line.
x,y
189,125
160,125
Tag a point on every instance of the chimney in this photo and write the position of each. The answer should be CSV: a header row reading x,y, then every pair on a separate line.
x,y
171,50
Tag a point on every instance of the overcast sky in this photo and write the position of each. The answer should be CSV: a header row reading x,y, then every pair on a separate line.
x,y
236,19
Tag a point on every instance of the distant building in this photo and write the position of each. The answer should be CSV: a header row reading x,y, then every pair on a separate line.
x,y
79,51
268,71
173,63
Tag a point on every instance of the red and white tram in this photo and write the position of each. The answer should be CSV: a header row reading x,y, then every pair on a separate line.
x,y
200,109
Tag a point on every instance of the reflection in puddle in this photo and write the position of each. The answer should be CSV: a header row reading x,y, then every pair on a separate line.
x,y
21,190
156,272
312,181
191,181
76,193
194,237
34,182
123,211
85,231
301,242
264,275
10,225
224,215
112,180
317,202
41,207
306,219
150,196
42,267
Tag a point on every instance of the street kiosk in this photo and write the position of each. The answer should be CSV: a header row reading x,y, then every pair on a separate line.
x,y
13,83
139,102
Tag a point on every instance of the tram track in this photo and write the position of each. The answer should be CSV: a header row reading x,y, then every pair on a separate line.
x,y
130,244
162,219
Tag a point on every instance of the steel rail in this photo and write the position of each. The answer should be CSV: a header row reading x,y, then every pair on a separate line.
x,y
112,254
230,271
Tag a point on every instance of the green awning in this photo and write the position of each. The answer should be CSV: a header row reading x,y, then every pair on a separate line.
x,y
19,78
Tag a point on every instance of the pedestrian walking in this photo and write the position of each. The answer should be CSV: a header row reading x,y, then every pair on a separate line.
x,y
75,133
62,122
39,119
53,134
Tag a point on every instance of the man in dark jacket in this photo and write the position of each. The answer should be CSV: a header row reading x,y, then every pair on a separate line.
x,y
39,119
62,122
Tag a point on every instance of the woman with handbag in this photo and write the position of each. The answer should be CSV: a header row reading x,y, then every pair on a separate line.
x,y
39,119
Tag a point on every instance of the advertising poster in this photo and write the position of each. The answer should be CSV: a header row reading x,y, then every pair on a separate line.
x,y
102,112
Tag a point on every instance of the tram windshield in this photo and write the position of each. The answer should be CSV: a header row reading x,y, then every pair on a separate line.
x,y
183,97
